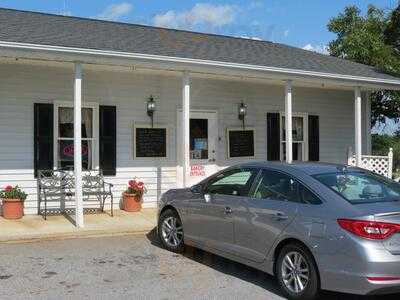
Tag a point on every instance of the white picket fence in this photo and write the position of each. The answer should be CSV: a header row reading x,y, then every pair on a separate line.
x,y
382,165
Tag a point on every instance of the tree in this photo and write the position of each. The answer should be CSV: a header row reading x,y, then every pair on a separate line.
x,y
374,40
392,32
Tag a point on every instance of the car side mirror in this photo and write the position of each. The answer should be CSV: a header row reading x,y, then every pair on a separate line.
x,y
196,189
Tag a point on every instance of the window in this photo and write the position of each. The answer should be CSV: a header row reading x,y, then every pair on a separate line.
x,y
307,197
279,186
235,182
359,187
199,138
64,137
299,136
276,185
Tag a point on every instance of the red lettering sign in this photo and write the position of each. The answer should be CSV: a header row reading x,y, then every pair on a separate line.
x,y
197,170
69,150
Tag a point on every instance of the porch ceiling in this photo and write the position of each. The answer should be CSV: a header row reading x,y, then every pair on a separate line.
x,y
129,67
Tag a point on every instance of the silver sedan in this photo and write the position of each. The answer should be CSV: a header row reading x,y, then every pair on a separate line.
x,y
313,225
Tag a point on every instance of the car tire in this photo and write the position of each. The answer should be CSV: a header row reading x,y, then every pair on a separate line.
x,y
295,263
170,231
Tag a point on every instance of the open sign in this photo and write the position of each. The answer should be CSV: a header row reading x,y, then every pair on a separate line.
x,y
69,151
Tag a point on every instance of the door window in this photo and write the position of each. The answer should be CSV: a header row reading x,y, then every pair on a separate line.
x,y
276,185
279,186
235,182
199,138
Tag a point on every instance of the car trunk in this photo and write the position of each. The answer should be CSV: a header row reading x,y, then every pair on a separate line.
x,y
388,212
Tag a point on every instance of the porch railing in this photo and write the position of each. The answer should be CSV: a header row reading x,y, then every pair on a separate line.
x,y
379,164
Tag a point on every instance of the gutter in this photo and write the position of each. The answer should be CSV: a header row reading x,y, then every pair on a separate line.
x,y
199,62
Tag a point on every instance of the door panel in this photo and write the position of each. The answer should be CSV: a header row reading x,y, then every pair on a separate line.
x,y
209,223
264,216
211,214
258,223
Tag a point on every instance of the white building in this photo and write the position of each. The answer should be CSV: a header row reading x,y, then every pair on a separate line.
x,y
54,67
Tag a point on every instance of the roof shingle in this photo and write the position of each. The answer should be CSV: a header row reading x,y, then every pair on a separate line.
x,y
45,29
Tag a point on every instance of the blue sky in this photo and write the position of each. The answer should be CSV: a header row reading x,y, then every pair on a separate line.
x,y
300,23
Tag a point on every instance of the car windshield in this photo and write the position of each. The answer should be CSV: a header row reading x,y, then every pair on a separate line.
x,y
360,187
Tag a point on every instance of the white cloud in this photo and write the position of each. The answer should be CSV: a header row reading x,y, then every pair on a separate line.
x,y
323,49
201,14
286,33
256,38
115,11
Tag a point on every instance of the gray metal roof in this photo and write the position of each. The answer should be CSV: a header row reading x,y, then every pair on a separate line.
x,y
45,29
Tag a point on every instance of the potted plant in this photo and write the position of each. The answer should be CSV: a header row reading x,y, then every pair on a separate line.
x,y
133,196
13,202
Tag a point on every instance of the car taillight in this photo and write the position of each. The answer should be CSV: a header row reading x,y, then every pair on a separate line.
x,y
369,229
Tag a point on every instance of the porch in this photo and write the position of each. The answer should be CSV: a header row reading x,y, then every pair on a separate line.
x,y
33,227
53,109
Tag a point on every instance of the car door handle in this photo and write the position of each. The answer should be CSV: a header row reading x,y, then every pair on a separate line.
x,y
228,210
279,216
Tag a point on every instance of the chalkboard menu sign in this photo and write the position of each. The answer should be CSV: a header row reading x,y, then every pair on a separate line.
x,y
150,142
241,143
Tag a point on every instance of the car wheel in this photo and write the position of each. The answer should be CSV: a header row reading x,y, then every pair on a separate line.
x,y
170,231
297,273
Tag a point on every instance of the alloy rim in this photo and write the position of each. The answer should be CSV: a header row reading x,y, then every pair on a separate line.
x,y
295,272
172,231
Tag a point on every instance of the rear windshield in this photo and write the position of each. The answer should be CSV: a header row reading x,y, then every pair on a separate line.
x,y
359,187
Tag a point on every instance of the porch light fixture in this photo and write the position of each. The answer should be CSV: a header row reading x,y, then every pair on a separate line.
x,y
151,108
242,112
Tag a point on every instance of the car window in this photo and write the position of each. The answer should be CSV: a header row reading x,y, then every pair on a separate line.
x,y
279,186
236,182
360,187
276,185
307,196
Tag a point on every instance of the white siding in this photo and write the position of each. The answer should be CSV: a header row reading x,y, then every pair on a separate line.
x,y
23,85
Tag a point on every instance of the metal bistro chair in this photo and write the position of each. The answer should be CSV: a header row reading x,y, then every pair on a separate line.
x,y
52,185
59,184
93,184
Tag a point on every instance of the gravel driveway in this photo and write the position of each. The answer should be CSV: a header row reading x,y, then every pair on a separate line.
x,y
128,267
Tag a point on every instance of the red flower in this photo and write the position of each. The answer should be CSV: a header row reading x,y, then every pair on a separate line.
x,y
132,183
8,188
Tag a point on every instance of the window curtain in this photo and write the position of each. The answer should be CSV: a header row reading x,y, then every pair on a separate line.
x,y
87,118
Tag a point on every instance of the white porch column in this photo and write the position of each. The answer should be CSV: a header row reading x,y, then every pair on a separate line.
x,y
186,127
368,122
288,121
358,132
78,145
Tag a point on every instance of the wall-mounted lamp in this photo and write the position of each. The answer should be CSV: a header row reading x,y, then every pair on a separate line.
x,y
151,108
242,112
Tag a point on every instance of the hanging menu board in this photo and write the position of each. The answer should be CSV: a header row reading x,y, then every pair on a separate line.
x,y
150,142
240,143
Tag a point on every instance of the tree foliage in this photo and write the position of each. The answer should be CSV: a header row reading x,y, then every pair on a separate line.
x,y
372,39
381,145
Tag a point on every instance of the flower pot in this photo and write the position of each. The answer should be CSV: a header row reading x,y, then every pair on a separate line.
x,y
131,203
13,209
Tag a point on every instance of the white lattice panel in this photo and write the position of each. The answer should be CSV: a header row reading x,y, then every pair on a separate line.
x,y
377,164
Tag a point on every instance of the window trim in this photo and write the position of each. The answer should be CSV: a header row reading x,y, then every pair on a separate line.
x,y
167,143
95,134
247,128
305,134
